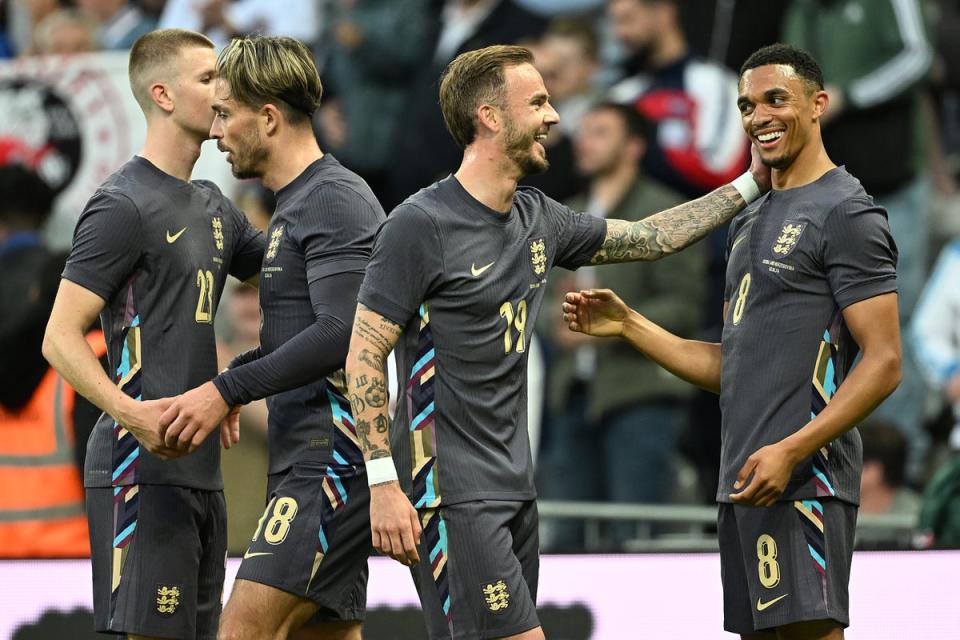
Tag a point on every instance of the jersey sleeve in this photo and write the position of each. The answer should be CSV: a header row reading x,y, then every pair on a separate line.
x,y
579,235
406,264
341,226
859,253
107,244
249,244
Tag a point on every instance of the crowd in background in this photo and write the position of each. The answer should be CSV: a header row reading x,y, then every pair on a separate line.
x,y
646,91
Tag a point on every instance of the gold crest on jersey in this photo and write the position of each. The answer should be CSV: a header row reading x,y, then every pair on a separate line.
x,y
217,223
789,235
496,596
538,256
275,237
168,599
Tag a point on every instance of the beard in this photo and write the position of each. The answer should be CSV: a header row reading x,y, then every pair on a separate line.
x,y
248,156
780,162
519,147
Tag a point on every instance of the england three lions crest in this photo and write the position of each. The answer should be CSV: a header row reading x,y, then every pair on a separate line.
x,y
168,599
538,257
217,226
496,595
787,239
274,245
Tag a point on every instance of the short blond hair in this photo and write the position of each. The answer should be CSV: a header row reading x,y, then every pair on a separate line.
x,y
152,55
272,69
475,78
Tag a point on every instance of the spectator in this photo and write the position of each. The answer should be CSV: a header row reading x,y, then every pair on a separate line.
x,y
222,20
569,61
21,20
875,56
609,403
66,32
461,25
378,46
882,484
120,22
44,422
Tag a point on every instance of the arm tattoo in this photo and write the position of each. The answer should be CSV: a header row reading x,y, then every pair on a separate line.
x,y
376,395
669,231
370,358
381,424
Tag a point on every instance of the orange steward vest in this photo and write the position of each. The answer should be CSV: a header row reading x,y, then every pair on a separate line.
x,y
41,489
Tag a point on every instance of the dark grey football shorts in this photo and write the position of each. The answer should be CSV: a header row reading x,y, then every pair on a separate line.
x,y
478,570
786,563
159,557
314,539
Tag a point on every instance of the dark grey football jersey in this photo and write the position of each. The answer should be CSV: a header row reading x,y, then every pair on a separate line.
x,y
797,258
466,283
158,251
325,223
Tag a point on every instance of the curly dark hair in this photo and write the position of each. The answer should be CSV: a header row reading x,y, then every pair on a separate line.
x,y
801,61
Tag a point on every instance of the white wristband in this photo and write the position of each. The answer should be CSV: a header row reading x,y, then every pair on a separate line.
x,y
380,471
747,187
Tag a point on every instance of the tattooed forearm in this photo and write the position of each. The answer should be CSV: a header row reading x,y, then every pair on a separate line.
x,y
669,231
373,338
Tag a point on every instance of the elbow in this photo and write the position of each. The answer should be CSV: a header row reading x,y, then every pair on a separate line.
x,y
48,347
893,370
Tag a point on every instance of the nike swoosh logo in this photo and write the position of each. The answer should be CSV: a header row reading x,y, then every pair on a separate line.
x,y
738,241
763,605
173,238
249,555
476,272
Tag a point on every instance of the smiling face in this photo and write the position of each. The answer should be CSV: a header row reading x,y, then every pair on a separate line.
x,y
527,118
236,130
780,113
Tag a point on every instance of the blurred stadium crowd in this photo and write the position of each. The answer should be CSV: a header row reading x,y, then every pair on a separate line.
x,y
646,90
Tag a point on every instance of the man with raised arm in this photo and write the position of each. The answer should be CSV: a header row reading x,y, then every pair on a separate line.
x,y
455,282
811,280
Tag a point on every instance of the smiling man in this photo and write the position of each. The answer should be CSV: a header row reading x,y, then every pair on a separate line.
x,y
811,280
456,281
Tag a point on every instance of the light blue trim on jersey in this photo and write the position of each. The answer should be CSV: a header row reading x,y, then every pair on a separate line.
x,y
126,463
422,361
429,496
336,480
423,415
324,545
339,413
339,458
823,479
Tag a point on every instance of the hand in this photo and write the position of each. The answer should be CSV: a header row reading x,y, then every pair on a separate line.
x,y
953,389
142,420
230,428
394,523
192,416
760,172
595,312
770,467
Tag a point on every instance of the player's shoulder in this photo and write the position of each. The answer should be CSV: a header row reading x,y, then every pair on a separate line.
x,y
839,193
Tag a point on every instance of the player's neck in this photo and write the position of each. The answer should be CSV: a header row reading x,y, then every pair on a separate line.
x,y
171,149
487,178
289,159
809,166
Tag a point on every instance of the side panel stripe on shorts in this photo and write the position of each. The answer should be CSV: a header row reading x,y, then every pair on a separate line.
x,y
811,519
126,449
334,498
824,385
435,535
126,503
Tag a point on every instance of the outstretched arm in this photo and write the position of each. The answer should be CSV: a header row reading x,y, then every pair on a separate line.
x,y
393,520
672,230
602,313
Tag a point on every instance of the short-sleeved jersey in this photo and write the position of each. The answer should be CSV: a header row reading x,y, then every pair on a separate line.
x,y
158,251
466,283
796,259
324,224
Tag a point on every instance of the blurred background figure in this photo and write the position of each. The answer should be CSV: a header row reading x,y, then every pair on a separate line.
x,y
875,57
883,488
21,18
65,32
120,22
570,62
222,20
44,424
378,45
615,415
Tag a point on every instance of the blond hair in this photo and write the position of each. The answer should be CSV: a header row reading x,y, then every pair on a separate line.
x,y
272,69
152,56
472,79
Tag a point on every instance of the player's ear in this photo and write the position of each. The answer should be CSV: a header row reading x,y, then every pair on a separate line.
x,y
821,102
489,118
270,118
160,95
